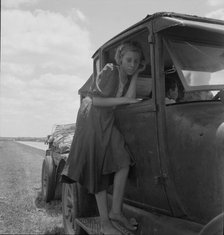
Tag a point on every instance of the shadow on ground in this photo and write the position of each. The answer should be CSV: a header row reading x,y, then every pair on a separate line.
x,y
55,231
53,209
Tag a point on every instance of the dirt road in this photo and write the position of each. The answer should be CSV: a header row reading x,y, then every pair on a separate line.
x,y
21,207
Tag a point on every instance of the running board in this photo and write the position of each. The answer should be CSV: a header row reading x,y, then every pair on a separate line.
x,y
92,226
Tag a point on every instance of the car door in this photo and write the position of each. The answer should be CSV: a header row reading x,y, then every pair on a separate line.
x,y
138,124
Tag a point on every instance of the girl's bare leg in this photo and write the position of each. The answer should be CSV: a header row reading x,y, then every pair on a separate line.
x,y
120,179
106,225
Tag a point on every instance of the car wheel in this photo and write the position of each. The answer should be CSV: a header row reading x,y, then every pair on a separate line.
x,y
48,179
214,227
58,186
70,209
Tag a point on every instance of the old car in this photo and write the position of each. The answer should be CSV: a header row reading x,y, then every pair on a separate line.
x,y
59,142
178,146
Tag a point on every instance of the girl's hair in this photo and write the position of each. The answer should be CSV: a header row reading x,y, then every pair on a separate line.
x,y
128,46
170,83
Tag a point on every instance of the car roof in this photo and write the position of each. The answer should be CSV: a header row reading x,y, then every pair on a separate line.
x,y
164,20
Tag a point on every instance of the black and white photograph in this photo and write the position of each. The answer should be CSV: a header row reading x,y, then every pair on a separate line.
x,y
112,117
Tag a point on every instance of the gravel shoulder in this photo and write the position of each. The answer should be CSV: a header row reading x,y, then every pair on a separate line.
x,y
22,209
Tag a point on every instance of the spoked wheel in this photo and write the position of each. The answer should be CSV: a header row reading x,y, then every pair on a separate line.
x,y
70,208
48,179
214,227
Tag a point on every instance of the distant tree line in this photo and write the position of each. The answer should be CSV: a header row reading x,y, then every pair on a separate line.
x,y
35,139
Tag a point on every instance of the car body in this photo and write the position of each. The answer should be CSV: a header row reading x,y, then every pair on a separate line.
x,y
178,147
59,143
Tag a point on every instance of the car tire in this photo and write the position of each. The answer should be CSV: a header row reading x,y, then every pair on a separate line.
x,y
48,179
58,186
214,227
70,208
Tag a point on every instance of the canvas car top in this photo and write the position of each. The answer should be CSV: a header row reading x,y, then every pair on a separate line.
x,y
167,19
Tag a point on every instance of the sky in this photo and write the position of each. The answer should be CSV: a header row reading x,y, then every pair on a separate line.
x,y
46,50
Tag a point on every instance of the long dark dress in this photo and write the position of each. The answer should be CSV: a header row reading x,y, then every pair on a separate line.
x,y
98,149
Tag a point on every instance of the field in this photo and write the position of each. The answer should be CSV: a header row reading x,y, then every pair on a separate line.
x,y
22,209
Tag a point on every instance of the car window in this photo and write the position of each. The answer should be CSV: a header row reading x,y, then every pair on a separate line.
x,y
97,66
200,67
144,82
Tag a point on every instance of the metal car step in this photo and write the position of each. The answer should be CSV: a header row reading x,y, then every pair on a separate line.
x,y
92,226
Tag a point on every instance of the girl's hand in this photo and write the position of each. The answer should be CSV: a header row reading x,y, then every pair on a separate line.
x,y
114,101
141,68
129,100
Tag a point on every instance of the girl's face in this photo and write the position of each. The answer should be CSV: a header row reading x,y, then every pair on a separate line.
x,y
130,62
173,93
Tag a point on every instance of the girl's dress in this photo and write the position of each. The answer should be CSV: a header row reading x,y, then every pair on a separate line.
x,y
98,148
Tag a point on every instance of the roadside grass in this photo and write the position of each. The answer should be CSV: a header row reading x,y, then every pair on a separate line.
x,y
22,209
50,216
29,214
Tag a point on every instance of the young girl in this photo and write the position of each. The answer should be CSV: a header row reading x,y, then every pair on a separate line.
x,y
171,86
99,156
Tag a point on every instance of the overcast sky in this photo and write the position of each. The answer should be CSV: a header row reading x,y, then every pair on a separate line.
x,y
46,49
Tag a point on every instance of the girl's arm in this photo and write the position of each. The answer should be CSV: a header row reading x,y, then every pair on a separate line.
x,y
131,92
129,97
113,101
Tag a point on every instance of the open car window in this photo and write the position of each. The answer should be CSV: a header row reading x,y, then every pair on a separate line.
x,y
145,82
200,67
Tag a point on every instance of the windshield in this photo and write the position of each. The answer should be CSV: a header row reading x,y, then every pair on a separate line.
x,y
199,66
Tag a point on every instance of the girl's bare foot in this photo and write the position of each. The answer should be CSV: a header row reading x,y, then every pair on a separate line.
x,y
107,228
119,217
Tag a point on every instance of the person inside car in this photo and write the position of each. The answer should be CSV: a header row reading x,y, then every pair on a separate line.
x,y
171,87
